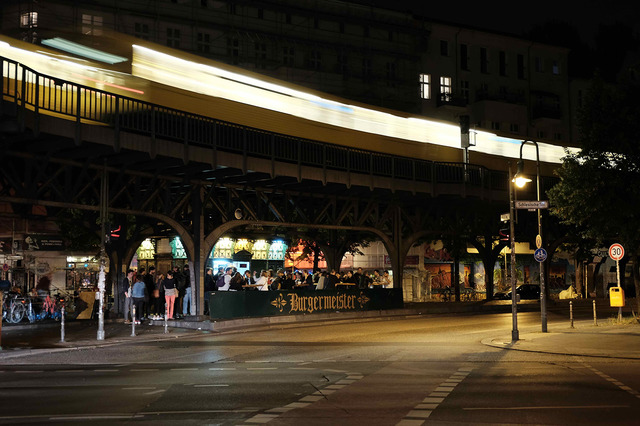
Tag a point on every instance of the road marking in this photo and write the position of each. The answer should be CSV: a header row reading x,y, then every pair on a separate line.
x,y
103,417
261,418
155,392
335,387
311,398
144,369
183,369
546,407
28,371
420,414
209,386
262,368
106,371
611,380
423,410
140,388
221,369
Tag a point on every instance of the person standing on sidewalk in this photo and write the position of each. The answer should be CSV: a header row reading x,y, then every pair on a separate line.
x,y
127,284
170,292
186,296
149,283
138,296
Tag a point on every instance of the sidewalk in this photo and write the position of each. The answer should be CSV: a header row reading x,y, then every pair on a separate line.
x,y
606,340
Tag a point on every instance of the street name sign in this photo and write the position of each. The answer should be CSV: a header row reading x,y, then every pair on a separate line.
x,y
532,205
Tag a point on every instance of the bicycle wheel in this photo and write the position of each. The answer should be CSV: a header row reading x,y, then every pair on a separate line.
x,y
17,312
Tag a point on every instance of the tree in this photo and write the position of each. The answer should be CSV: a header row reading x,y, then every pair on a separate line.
x,y
599,188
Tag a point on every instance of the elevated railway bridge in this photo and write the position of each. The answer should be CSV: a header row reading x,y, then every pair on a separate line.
x,y
161,170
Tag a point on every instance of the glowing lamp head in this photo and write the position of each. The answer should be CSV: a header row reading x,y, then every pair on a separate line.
x,y
521,181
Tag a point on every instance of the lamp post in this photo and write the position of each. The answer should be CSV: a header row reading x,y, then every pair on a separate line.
x,y
515,335
520,182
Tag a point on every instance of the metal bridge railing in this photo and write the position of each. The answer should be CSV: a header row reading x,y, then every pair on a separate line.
x,y
44,94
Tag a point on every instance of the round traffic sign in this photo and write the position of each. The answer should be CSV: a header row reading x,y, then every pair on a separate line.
x,y
540,255
616,251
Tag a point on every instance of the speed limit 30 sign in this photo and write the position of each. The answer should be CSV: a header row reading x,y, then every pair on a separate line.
x,y
616,251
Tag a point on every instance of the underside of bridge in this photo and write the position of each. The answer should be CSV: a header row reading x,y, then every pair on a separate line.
x,y
159,186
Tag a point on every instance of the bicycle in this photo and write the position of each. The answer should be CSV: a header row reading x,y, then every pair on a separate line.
x,y
13,308
51,308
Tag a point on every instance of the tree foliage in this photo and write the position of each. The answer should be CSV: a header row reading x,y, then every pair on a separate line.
x,y
599,190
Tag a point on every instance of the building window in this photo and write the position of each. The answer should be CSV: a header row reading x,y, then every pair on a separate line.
x,y
29,20
514,128
141,30
557,136
287,18
315,60
503,63
261,55
288,56
538,64
484,61
464,57
366,68
233,9
495,125
343,65
445,89
425,86
91,25
521,67
555,68
316,23
233,50
173,37
540,134
391,73
203,3
444,48
464,90
203,42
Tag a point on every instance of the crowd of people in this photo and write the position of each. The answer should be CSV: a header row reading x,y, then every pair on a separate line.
x,y
154,295
229,279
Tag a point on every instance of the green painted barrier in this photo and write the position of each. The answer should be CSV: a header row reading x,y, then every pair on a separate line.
x,y
240,304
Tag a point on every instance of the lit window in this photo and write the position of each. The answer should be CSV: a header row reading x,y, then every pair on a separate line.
x,y
425,86
29,20
555,68
91,25
445,89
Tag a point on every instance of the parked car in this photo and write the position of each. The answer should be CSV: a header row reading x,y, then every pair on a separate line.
x,y
528,291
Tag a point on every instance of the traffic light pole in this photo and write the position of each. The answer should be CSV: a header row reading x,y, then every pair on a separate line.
x,y
104,203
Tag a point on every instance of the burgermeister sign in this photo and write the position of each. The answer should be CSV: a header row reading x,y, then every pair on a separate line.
x,y
294,303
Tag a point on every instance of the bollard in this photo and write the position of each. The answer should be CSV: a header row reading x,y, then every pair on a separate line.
x,y
1,307
595,319
571,312
62,325
166,319
133,321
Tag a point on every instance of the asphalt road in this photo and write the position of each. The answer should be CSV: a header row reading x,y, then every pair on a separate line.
x,y
422,370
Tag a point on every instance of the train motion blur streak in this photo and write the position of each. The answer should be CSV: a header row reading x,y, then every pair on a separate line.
x,y
216,82
205,89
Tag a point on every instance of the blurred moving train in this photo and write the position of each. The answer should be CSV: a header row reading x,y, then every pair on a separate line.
x,y
163,76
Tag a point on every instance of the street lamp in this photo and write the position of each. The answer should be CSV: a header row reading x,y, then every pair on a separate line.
x,y
521,181
515,335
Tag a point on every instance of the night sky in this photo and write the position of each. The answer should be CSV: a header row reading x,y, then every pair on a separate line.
x,y
518,17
